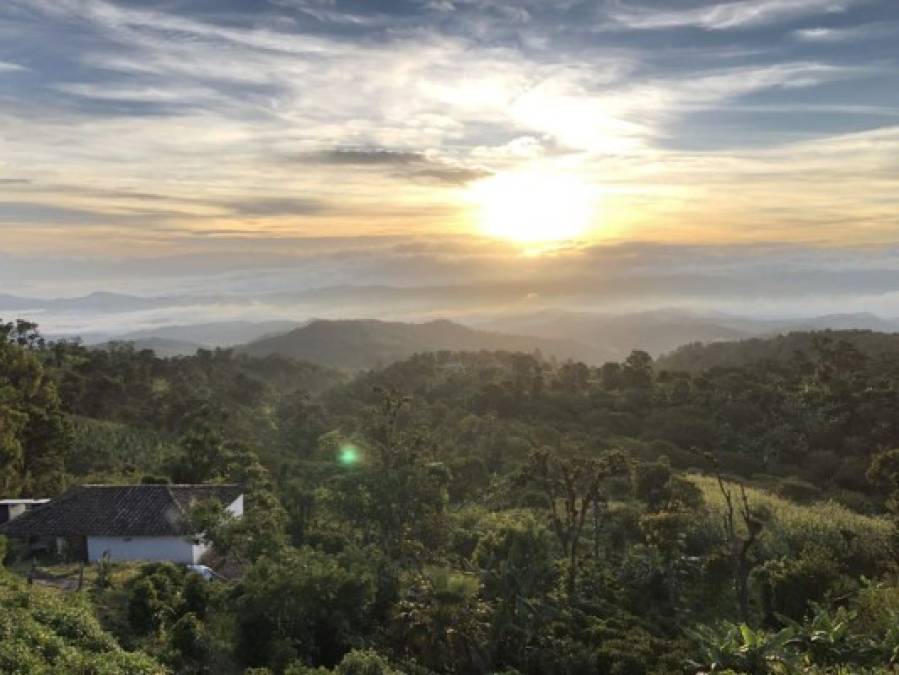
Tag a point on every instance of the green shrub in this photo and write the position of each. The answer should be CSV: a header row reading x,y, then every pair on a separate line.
x,y
789,585
196,595
305,600
144,607
189,638
44,631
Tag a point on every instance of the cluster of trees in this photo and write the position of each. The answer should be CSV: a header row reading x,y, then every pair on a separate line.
x,y
490,512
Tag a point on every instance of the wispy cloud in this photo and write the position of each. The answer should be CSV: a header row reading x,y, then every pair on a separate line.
x,y
7,67
844,34
726,15
314,119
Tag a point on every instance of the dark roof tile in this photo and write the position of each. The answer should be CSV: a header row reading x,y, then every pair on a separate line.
x,y
118,511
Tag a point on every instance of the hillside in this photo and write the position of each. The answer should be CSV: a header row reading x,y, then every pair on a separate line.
x,y
696,357
614,336
356,345
214,334
162,347
43,628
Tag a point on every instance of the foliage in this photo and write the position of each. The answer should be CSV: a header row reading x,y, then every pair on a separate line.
x,y
302,603
739,648
44,632
484,512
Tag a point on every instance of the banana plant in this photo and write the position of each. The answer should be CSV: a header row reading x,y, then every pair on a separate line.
x,y
827,637
738,647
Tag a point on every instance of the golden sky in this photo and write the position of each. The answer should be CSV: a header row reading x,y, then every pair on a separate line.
x,y
151,128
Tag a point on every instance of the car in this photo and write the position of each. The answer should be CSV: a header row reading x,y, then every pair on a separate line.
x,y
205,571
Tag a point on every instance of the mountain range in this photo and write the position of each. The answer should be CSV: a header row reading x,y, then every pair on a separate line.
x,y
164,324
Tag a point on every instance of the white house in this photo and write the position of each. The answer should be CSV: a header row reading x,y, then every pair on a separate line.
x,y
126,522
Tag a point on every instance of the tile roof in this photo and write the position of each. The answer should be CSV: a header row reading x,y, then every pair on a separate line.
x,y
118,511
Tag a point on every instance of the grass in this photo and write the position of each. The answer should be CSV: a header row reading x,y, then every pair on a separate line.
x,y
790,526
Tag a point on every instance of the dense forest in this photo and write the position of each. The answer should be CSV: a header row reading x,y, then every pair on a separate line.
x,y
729,508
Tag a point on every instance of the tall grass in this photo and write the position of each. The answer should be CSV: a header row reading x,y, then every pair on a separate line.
x,y
790,526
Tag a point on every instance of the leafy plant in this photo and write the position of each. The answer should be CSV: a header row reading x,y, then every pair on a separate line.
x,y
738,647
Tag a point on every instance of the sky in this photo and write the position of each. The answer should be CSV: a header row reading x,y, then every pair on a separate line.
x,y
256,146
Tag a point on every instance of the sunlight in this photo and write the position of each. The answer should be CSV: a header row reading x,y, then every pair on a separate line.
x,y
533,207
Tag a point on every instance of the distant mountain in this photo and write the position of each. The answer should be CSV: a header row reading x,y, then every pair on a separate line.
x,y
215,334
613,336
779,348
95,302
356,345
859,321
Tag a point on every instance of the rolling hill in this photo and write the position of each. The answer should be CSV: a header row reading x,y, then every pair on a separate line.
x,y
356,345
698,357
613,336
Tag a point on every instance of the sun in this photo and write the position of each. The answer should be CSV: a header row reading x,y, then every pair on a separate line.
x,y
533,207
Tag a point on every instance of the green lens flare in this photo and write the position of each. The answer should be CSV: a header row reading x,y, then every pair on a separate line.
x,y
348,455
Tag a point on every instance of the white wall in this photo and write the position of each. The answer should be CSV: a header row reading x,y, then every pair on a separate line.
x,y
174,549
236,507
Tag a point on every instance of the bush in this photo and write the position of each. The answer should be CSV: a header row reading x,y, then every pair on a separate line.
x,y
789,585
357,662
306,602
44,631
144,607
196,595
189,638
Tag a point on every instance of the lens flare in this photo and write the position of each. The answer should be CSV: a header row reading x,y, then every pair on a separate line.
x,y
348,456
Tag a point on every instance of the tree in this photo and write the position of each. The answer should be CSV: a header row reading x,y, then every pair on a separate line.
x,y
516,556
302,603
573,490
739,542
637,370
202,456
34,433
391,488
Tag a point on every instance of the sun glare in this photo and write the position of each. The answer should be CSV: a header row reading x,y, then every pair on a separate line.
x,y
533,207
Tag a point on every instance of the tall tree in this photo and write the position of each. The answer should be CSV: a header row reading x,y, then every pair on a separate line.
x,y
573,487
34,434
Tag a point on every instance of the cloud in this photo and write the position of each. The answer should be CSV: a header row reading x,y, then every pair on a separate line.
x,y
378,124
370,157
448,175
8,67
459,278
844,34
274,206
402,164
727,15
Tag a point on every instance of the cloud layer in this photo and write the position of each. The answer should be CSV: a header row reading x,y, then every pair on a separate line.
x,y
189,130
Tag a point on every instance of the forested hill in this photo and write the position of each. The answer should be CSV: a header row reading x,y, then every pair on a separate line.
x,y
362,344
473,512
781,349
